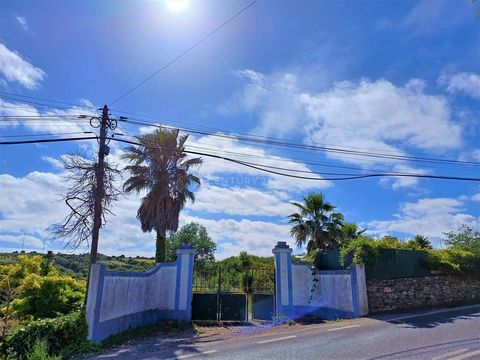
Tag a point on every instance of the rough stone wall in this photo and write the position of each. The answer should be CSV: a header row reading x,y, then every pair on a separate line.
x,y
407,293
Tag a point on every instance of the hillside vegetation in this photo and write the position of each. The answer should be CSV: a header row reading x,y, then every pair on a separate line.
x,y
76,265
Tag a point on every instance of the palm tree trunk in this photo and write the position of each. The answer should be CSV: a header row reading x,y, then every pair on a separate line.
x,y
160,250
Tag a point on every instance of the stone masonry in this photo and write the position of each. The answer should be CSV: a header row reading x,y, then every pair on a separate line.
x,y
416,292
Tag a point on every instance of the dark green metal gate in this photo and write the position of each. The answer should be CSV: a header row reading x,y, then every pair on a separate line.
x,y
262,293
233,293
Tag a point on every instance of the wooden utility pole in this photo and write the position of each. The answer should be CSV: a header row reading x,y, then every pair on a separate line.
x,y
100,186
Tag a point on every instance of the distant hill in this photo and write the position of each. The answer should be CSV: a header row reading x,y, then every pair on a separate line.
x,y
77,265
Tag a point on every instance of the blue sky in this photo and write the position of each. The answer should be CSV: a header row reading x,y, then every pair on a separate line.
x,y
393,77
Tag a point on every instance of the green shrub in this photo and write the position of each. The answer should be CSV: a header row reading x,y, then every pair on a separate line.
x,y
389,242
49,296
40,352
453,261
365,251
62,335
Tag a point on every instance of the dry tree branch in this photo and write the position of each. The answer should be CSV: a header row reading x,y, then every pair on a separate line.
x,y
81,177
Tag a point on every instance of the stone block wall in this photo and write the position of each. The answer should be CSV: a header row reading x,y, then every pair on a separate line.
x,y
415,292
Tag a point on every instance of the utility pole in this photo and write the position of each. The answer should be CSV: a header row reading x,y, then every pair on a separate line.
x,y
99,188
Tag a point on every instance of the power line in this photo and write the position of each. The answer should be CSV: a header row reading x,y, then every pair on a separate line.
x,y
39,141
281,143
73,118
183,53
3,93
277,142
310,162
256,166
51,134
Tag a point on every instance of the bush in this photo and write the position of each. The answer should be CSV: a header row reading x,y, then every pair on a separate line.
x,y
453,261
40,352
49,296
363,250
62,335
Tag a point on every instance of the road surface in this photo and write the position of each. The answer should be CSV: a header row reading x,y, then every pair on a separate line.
x,y
444,334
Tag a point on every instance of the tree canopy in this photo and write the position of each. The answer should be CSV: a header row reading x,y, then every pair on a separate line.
x,y
196,235
316,224
465,238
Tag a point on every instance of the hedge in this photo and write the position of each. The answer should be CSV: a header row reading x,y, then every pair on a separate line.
x,y
64,335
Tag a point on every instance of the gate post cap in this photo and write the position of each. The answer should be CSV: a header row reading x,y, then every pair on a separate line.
x,y
186,249
282,247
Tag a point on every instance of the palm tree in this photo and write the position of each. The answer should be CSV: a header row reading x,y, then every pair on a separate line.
x,y
423,242
316,224
160,167
351,231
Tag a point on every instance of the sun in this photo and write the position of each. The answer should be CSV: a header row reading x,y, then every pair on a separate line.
x,y
176,6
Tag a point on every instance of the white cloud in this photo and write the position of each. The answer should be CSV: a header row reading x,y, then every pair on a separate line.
x,y
379,115
374,116
276,99
219,171
22,241
238,200
403,182
428,216
255,237
22,21
52,121
466,83
476,197
33,202
30,203
16,69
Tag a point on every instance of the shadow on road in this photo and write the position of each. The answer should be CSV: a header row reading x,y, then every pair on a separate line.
x,y
158,346
433,320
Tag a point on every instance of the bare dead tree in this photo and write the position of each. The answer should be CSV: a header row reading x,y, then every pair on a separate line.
x,y
81,175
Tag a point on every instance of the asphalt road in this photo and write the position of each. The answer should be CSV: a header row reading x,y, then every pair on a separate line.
x,y
446,334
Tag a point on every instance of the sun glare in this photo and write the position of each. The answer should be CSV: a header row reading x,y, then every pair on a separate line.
x,y
176,6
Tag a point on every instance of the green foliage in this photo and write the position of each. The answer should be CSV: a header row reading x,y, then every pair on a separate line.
x,y
390,242
238,273
40,290
316,224
161,167
40,352
63,335
419,242
350,231
454,262
49,296
17,272
196,235
76,265
246,260
363,249
465,239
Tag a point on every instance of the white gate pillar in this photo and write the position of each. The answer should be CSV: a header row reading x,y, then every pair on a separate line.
x,y
283,276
